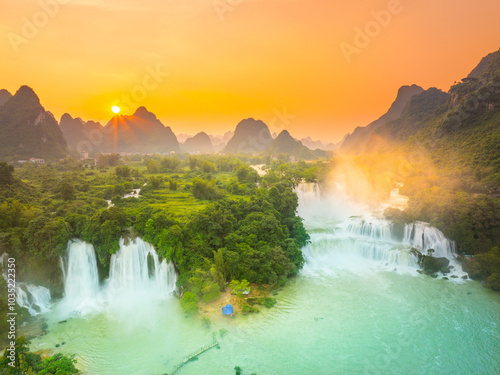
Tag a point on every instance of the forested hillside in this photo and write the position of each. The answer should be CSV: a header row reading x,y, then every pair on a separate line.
x,y
206,214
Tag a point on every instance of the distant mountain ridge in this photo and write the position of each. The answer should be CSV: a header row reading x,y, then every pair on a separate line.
x,y
80,135
253,137
313,145
357,142
141,132
250,136
4,96
286,144
200,143
26,129
457,130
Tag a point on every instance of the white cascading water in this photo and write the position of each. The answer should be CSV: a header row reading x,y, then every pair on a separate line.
x,y
131,272
361,242
133,280
81,278
35,298
423,237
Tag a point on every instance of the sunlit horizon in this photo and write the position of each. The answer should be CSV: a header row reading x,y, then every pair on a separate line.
x,y
315,68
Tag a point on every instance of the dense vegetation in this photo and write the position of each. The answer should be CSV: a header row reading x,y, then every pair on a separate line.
x,y
27,363
213,216
452,165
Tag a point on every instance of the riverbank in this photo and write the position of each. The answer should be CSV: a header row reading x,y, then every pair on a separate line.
x,y
213,309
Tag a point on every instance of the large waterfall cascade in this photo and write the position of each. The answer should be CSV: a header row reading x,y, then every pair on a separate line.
x,y
134,270
136,267
364,238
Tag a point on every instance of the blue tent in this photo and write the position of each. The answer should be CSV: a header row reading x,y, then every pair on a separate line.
x,y
227,310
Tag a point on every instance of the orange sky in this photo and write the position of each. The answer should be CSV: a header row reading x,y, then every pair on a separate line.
x,y
231,59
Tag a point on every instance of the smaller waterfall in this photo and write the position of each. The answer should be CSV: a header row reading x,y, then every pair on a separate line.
x,y
423,237
342,250
373,228
315,203
35,298
360,242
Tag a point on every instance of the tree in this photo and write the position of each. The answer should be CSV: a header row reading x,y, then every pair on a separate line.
x,y
155,182
153,166
123,171
67,190
6,174
238,287
108,160
189,303
203,189
31,363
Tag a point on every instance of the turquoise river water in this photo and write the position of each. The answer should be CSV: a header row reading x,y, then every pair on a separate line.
x,y
358,307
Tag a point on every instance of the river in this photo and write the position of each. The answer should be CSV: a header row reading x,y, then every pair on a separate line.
x,y
359,306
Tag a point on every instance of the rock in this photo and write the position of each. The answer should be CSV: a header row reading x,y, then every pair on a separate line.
x,y
454,276
445,278
432,265
465,277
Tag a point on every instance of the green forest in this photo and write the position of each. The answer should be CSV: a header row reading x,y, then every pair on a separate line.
x,y
213,216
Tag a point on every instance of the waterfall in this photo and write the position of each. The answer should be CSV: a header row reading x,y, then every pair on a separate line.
x,y
131,271
424,237
374,228
364,241
81,278
136,276
35,298
315,203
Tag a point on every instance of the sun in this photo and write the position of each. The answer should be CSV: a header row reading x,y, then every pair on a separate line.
x,y
115,109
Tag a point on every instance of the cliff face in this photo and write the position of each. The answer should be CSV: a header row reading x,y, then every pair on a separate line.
x,y
251,136
356,143
141,132
4,96
80,135
27,130
200,143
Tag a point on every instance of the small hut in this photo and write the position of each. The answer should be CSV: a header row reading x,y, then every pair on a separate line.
x,y
227,310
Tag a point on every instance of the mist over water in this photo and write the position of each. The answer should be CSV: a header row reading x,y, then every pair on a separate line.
x,y
349,235
357,307
137,280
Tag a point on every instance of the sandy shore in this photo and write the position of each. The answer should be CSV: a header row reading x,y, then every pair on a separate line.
x,y
213,309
